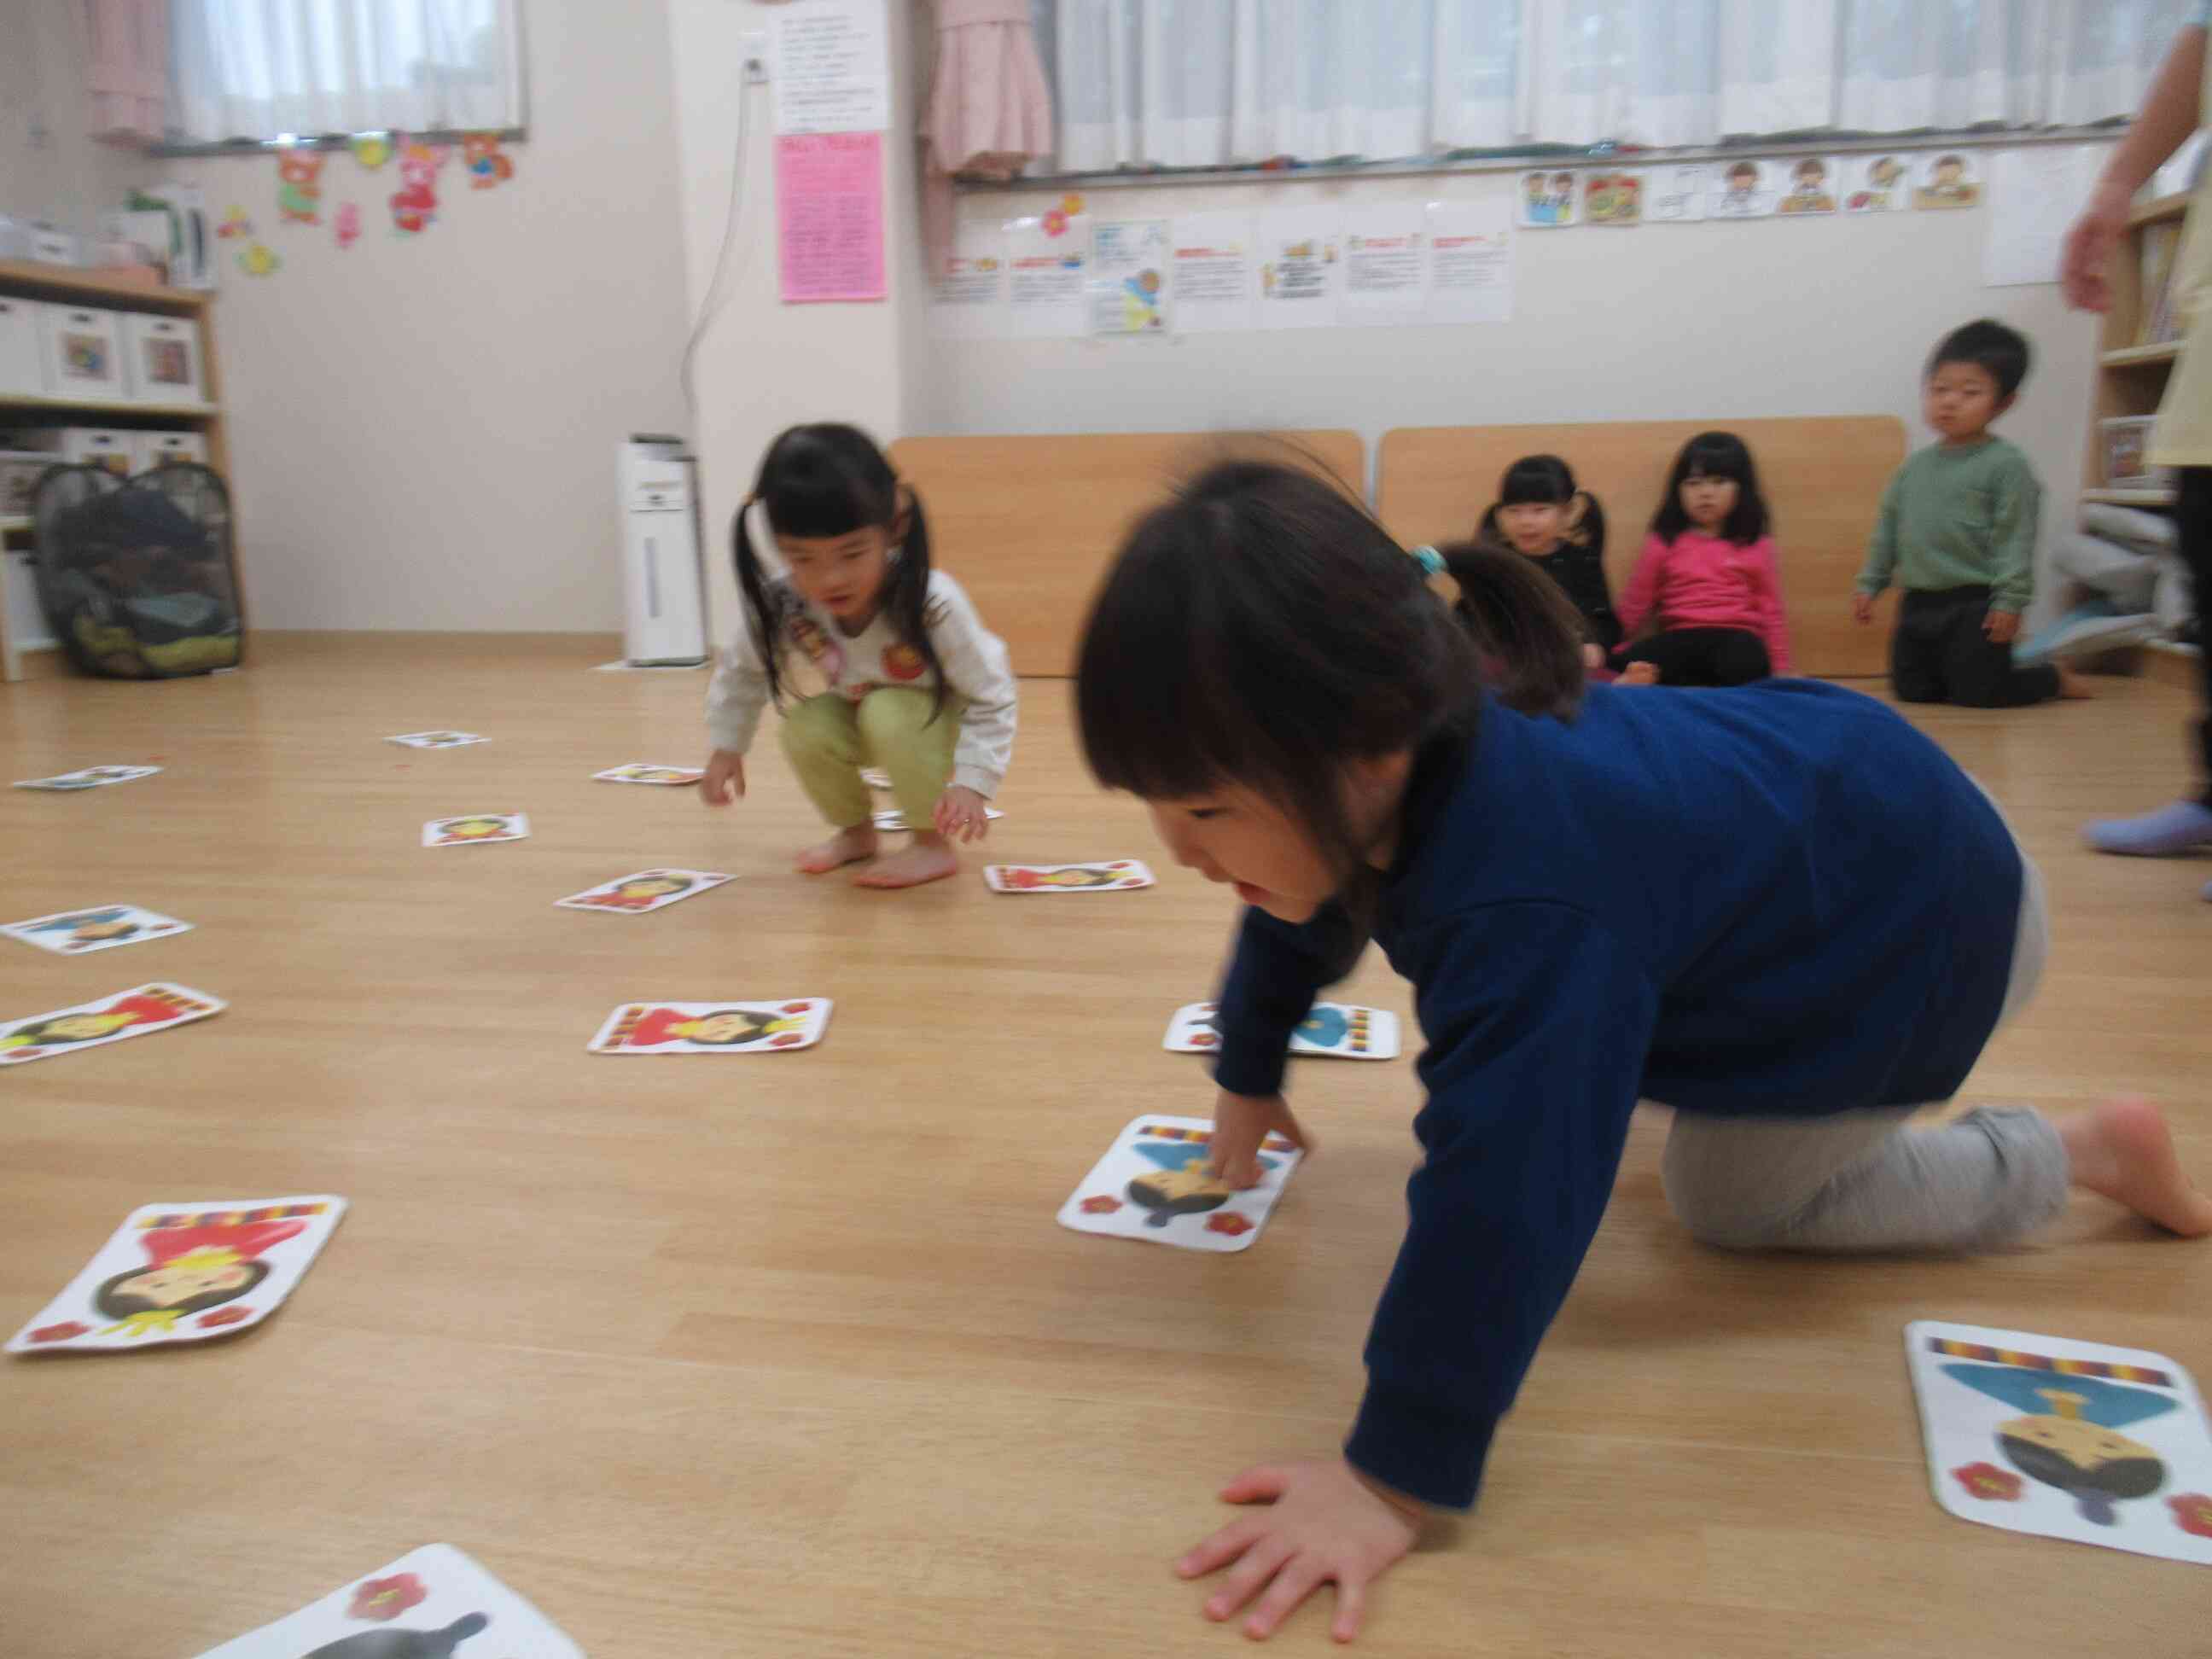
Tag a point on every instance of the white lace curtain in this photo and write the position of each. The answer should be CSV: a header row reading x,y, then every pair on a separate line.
x,y
1215,82
260,68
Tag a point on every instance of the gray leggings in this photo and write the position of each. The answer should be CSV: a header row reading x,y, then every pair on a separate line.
x,y
1862,1180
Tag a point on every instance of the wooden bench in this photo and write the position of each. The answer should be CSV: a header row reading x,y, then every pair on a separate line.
x,y
1029,524
1822,477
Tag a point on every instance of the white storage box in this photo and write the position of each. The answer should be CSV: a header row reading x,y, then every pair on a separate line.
x,y
168,448
50,246
27,618
2127,454
113,448
162,358
20,472
21,370
83,352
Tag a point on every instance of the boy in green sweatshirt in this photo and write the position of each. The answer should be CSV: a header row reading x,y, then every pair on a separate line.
x,y
1957,533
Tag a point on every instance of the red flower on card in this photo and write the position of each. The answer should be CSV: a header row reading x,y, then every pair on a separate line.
x,y
223,1316
1101,1205
1023,878
22,1054
1056,222
786,1040
62,1333
1203,1039
1987,1480
1222,1222
795,1008
2192,1513
383,1598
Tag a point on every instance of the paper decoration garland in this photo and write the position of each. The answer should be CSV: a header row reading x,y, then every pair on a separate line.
x,y
349,225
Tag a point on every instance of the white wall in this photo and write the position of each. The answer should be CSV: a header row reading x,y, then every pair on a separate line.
x,y
49,169
423,427
766,365
1806,316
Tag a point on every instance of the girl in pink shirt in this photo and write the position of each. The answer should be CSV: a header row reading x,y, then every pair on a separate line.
x,y
1707,576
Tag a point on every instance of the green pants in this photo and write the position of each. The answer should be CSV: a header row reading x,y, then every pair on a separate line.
x,y
829,739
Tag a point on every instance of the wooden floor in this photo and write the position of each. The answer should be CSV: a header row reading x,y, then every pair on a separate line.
x,y
786,1355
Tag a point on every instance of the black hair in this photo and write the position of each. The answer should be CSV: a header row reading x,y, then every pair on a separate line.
x,y
1986,343
757,1024
1958,161
1717,455
1261,628
122,1307
1548,479
830,479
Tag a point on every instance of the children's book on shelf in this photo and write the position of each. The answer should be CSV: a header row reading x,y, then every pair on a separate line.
x,y
2156,323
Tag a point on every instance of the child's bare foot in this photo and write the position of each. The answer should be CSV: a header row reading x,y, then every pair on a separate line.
x,y
2123,1150
1639,673
2071,685
846,846
928,859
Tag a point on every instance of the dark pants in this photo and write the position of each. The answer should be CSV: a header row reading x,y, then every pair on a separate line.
x,y
2193,519
1704,656
1940,655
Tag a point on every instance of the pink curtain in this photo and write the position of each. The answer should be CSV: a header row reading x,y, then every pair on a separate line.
x,y
990,111
129,82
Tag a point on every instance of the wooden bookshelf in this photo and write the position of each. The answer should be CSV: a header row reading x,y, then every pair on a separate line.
x,y
2159,210
2132,373
2130,497
113,291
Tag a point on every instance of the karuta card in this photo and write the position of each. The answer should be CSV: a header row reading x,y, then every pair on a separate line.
x,y
432,1603
73,932
712,1028
1336,1028
184,1272
648,890
645,772
1152,1184
2073,1440
477,829
117,1018
892,819
436,739
91,777
1067,878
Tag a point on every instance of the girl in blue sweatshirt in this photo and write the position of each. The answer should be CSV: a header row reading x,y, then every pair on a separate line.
x,y
1778,909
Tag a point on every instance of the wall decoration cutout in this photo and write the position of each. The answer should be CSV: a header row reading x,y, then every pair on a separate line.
x,y
348,224
372,151
415,204
299,189
258,260
487,165
234,224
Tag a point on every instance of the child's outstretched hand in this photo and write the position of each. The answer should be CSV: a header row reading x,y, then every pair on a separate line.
x,y
1325,1526
960,815
726,778
1862,607
1241,1122
2002,626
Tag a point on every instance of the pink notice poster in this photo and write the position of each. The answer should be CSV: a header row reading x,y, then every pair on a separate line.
x,y
829,215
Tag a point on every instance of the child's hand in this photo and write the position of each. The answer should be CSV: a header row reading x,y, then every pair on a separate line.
x,y
1241,1122
1862,607
2002,626
1326,1525
960,815
726,778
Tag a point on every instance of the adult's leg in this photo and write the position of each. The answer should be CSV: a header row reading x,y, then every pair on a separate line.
x,y
2185,823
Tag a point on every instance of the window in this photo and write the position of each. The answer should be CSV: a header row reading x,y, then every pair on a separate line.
x,y
1185,83
258,70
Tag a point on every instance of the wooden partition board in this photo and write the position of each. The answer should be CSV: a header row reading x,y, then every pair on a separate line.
x,y
1028,524
1822,477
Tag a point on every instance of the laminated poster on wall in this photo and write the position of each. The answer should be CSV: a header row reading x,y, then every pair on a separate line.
x,y
1301,271
1876,184
968,298
1613,197
1676,195
1808,185
1947,179
1747,188
1048,273
1470,262
1547,199
1129,277
829,217
1386,265
1213,275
